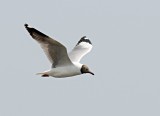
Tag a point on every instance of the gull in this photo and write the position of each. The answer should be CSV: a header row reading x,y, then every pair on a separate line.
x,y
63,64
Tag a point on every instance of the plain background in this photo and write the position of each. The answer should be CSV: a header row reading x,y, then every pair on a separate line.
x,y
125,58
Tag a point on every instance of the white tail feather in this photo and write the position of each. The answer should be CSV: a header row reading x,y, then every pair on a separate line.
x,y
43,74
40,73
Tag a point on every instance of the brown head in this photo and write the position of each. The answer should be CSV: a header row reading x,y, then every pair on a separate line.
x,y
85,69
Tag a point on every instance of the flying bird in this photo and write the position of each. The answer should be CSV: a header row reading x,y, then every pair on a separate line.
x,y
63,64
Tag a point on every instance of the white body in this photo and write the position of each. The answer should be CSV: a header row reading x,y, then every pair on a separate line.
x,y
67,71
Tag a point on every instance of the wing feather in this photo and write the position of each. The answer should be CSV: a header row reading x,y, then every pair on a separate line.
x,y
83,46
55,51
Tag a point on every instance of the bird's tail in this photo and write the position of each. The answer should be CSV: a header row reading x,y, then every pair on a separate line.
x,y
43,74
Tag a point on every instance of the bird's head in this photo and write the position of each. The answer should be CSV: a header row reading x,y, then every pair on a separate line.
x,y
85,69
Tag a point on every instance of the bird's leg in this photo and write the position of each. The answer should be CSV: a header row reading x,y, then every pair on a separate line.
x,y
45,75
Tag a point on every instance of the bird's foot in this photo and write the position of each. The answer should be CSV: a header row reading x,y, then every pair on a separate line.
x,y
45,75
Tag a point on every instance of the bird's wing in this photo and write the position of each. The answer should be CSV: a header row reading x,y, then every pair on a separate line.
x,y
55,51
83,46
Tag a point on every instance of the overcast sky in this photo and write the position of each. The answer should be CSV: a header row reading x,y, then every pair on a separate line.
x,y
125,58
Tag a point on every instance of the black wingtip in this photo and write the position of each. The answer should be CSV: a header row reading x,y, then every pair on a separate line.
x,y
32,30
26,25
84,39
29,29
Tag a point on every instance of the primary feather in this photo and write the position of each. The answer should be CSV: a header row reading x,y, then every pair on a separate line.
x,y
55,51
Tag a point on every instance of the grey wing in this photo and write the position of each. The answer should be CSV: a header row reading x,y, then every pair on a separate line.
x,y
55,51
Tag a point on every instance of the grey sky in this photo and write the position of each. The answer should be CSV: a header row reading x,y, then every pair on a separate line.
x,y
125,58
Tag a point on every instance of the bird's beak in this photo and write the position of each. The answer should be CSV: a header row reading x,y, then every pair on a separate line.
x,y
91,72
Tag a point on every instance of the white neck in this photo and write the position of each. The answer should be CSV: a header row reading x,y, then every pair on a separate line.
x,y
77,64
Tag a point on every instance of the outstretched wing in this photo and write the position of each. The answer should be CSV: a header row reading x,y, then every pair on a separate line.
x,y
83,46
55,51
